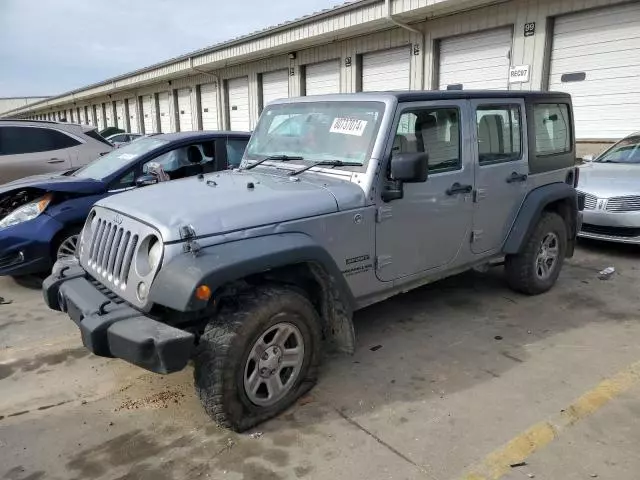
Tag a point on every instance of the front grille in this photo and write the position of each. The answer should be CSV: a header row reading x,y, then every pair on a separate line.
x,y
106,292
624,204
627,232
111,250
589,200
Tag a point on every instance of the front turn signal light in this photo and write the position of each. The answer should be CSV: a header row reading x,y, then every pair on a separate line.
x,y
203,292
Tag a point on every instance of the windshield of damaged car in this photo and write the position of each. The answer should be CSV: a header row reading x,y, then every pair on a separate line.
x,y
317,131
113,161
626,151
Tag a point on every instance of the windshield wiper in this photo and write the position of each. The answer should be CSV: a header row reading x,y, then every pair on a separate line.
x,y
327,163
281,158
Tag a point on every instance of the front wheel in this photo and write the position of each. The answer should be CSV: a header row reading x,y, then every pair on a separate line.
x,y
257,357
535,269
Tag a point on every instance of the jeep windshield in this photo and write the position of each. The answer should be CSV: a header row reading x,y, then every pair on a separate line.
x,y
316,131
113,161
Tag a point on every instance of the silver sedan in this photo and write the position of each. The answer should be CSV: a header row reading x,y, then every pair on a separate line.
x,y
610,184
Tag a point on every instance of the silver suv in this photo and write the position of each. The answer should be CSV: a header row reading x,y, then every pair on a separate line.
x,y
36,147
341,202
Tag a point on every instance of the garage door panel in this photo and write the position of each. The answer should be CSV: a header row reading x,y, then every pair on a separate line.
x,y
322,78
148,113
209,106
165,112
238,94
185,115
133,115
623,47
604,44
474,41
275,85
478,60
386,70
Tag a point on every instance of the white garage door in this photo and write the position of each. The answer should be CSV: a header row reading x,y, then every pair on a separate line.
x,y
120,115
148,113
209,106
132,105
386,70
476,61
239,104
596,58
275,85
108,109
322,78
99,116
184,110
165,112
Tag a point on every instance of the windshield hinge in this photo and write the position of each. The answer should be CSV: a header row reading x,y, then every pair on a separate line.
x,y
383,261
383,213
187,232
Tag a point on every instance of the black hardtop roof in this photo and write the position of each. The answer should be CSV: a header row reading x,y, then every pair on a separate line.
x,y
425,95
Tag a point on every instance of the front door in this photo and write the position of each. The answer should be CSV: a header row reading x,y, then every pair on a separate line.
x,y
502,170
430,225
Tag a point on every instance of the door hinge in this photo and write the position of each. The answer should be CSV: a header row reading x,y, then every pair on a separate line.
x,y
383,213
383,261
476,235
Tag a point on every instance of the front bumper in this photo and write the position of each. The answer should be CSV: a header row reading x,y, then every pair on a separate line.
x,y
111,328
26,248
612,227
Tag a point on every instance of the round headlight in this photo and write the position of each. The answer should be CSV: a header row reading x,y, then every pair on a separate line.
x,y
155,254
148,255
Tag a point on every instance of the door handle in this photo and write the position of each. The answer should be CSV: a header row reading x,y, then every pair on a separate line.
x,y
517,177
457,188
55,160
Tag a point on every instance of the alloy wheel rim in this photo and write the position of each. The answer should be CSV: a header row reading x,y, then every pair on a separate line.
x,y
547,257
274,364
68,247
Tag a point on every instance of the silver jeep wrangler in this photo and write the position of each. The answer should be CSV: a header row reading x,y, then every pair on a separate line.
x,y
341,201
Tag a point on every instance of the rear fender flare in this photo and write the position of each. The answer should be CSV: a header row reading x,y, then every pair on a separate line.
x,y
531,210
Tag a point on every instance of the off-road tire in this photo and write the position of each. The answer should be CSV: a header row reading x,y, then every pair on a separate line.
x,y
224,347
520,268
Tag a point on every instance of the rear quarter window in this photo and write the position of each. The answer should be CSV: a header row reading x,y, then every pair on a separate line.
x,y
552,128
22,140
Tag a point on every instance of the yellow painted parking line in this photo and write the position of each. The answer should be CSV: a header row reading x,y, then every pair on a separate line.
x,y
498,463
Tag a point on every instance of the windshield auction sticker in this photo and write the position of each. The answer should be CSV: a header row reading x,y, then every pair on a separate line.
x,y
348,126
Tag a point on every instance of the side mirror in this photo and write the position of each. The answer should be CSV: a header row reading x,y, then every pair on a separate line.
x,y
146,180
410,167
588,158
406,168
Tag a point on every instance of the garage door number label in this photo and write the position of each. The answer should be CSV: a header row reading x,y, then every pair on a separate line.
x,y
348,126
519,74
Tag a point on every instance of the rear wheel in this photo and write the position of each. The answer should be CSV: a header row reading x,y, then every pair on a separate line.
x,y
257,357
536,267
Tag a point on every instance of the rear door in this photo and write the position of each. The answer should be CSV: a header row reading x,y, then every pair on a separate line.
x,y
28,151
502,170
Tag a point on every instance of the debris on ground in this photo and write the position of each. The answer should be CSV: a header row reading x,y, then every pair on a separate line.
x,y
5,302
519,464
256,435
498,337
607,273
375,347
158,400
594,475
531,475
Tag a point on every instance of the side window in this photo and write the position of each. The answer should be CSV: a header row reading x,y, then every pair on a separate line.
x,y
435,131
126,181
170,161
235,151
552,128
499,133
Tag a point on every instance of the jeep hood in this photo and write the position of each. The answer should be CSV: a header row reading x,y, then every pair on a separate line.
x,y
232,200
55,183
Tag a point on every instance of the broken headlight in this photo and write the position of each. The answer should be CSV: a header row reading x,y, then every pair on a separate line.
x,y
26,212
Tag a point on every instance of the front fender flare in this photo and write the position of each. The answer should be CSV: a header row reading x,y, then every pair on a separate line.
x,y
217,265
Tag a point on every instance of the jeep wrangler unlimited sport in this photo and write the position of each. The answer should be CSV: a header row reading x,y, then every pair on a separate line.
x,y
341,201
